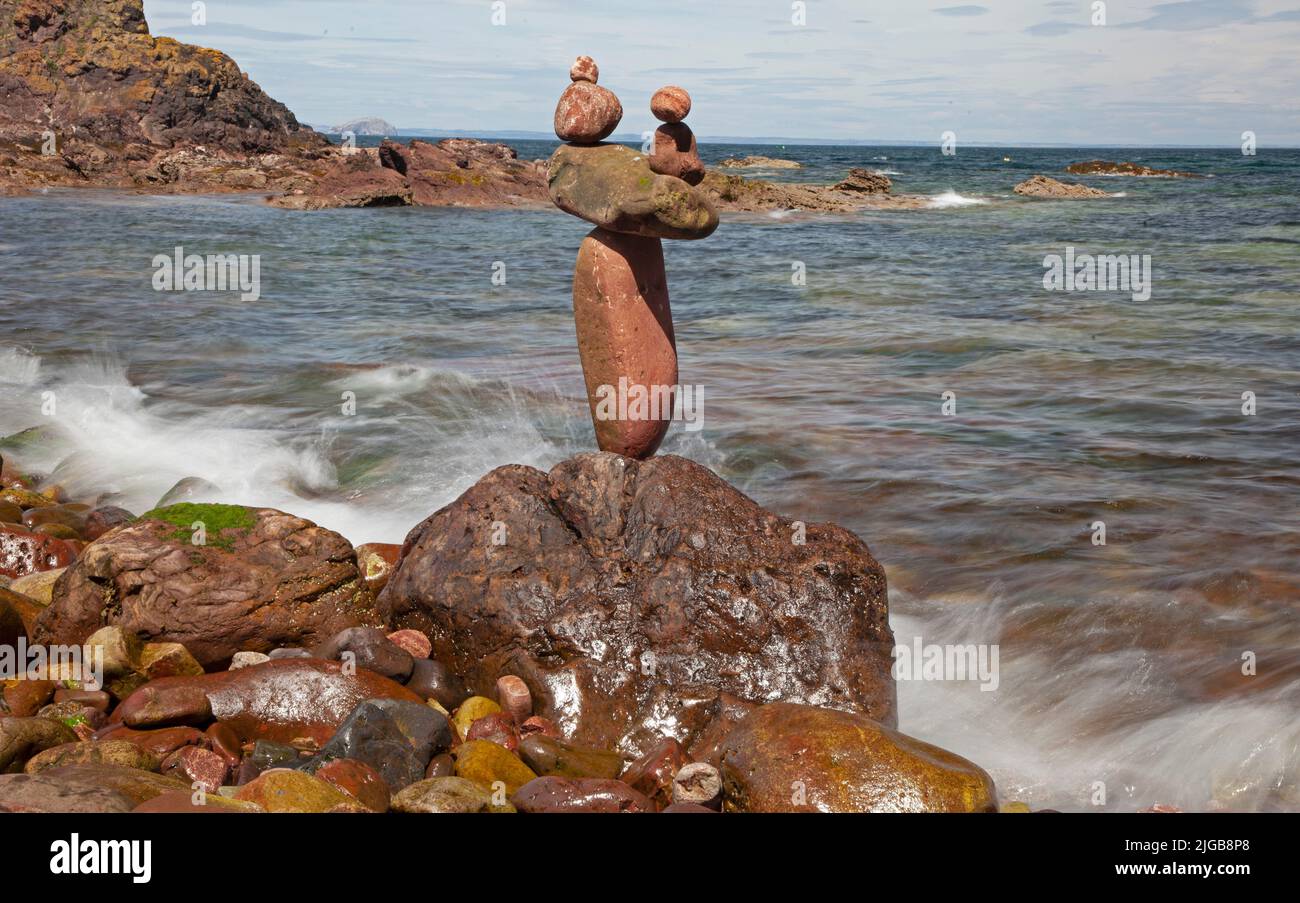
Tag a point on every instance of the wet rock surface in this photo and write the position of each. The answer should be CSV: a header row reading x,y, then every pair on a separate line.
x,y
794,758
264,578
555,794
631,593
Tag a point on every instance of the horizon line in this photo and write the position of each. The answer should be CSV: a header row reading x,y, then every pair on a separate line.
x,y
770,141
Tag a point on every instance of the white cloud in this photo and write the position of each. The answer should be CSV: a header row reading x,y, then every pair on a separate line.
x,y
1194,71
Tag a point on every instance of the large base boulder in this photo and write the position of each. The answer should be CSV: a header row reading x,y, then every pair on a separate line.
x,y
633,596
261,579
797,758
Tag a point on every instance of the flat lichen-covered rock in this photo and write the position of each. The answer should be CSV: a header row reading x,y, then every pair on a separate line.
x,y
262,579
614,187
632,597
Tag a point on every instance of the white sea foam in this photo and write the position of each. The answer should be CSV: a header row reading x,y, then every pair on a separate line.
x,y
18,367
1050,733
951,199
424,435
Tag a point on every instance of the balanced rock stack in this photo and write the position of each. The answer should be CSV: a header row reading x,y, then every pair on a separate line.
x,y
620,289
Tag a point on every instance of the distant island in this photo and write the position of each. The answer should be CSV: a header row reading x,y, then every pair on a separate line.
x,y
370,126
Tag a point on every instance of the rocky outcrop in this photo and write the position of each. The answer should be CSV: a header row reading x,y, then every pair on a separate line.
x,y
758,162
632,597
866,181
736,194
259,579
455,172
1044,187
1109,168
796,758
89,96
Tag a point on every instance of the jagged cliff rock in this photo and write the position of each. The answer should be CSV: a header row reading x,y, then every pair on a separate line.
x,y
87,94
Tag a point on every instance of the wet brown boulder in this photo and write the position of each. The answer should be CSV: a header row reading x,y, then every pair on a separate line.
x,y
798,758
630,595
264,579
281,700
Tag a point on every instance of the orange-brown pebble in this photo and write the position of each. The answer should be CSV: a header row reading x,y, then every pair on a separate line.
x,y
584,69
671,104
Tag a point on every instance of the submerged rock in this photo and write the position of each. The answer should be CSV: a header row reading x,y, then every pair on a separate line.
x,y
263,579
797,758
629,595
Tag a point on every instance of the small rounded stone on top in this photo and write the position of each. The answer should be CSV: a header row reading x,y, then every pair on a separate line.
x,y
584,69
671,104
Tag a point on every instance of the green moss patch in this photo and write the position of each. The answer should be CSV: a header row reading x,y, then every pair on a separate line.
x,y
216,520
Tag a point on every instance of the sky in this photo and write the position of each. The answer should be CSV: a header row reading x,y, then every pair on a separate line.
x,y
1192,72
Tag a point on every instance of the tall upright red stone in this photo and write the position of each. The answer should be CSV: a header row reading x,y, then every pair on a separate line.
x,y
626,340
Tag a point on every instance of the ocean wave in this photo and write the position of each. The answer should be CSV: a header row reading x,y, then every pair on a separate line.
x,y
18,367
951,199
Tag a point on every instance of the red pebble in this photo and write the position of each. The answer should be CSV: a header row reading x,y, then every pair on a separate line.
x,y
413,641
197,765
539,725
359,781
497,727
